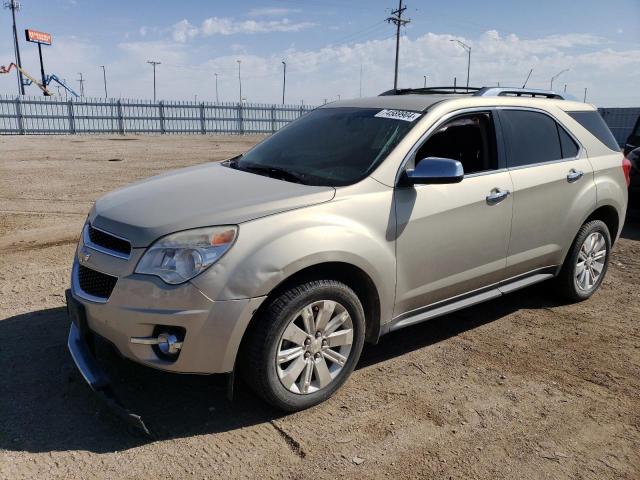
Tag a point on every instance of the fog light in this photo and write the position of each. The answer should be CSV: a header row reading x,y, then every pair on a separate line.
x,y
166,341
169,343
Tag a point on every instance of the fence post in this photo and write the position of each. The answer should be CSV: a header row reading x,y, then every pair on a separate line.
x,y
120,117
273,119
19,117
240,119
161,111
203,125
72,120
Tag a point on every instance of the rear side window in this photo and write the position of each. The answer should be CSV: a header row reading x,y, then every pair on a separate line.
x,y
593,122
569,147
532,136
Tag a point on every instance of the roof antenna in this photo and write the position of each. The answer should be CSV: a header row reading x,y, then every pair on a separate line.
x,y
528,77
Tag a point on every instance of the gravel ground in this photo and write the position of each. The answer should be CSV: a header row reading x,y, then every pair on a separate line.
x,y
521,387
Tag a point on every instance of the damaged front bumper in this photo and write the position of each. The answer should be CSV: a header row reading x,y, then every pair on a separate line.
x,y
80,345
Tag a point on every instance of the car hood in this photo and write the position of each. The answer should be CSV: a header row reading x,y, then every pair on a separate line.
x,y
204,195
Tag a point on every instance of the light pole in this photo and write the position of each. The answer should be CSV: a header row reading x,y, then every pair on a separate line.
x,y
556,76
13,6
104,77
425,80
284,78
468,50
154,64
239,81
216,75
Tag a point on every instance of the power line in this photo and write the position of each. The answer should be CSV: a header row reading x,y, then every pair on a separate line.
x,y
398,21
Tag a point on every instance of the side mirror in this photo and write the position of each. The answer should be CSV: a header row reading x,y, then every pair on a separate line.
x,y
433,170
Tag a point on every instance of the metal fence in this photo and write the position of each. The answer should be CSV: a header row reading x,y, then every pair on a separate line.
x,y
52,115
621,121
42,115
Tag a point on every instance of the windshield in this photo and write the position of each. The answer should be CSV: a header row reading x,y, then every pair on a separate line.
x,y
329,146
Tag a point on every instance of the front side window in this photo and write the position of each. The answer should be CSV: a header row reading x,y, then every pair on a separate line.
x,y
470,139
330,146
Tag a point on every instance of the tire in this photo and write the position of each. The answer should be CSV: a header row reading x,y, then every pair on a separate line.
x,y
270,340
571,280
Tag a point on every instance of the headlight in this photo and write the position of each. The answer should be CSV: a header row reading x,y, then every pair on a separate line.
x,y
181,256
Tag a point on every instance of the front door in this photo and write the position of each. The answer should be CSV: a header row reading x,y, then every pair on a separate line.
x,y
453,239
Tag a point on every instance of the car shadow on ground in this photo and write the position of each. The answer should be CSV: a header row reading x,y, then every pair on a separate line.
x,y
46,406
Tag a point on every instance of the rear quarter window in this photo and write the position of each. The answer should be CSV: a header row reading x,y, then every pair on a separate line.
x,y
593,122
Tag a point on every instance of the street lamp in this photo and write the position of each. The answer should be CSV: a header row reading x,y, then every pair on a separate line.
x,y
284,78
216,75
468,49
239,81
104,77
425,80
154,64
556,76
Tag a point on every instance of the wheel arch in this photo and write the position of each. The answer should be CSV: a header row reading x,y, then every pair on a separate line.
x,y
609,215
351,275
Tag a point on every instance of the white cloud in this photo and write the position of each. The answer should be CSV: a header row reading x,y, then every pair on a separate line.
x,y
183,30
272,12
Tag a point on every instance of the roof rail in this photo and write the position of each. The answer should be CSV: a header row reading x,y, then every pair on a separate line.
x,y
432,91
517,92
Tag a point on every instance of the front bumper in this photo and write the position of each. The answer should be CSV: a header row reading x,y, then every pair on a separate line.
x,y
98,380
140,304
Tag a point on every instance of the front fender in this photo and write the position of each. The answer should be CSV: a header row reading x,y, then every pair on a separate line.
x,y
271,249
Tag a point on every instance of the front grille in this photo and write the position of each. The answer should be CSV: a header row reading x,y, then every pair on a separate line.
x,y
108,241
95,283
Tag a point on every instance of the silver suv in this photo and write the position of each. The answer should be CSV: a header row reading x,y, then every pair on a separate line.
x,y
363,217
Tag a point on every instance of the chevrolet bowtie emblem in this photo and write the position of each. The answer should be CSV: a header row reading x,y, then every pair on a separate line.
x,y
83,256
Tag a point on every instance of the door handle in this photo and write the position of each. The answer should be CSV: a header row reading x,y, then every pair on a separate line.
x,y
497,195
574,175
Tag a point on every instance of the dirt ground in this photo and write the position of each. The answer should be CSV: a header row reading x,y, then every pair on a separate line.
x,y
522,387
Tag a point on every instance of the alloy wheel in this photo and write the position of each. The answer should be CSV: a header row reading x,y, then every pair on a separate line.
x,y
591,261
314,347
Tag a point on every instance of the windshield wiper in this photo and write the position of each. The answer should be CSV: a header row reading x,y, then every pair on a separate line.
x,y
273,172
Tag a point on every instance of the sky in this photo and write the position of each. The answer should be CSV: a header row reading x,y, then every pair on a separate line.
x,y
332,48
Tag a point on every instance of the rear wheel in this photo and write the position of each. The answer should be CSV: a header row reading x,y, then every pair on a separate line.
x,y
587,261
305,344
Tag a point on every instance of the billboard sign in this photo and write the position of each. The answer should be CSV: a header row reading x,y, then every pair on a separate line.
x,y
38,37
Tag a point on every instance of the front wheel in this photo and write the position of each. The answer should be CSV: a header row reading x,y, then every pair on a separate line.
x,y
587,261
305,344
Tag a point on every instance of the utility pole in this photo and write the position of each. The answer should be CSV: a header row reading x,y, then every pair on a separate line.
x,y
216,75
81,82
104,77
398,21
153,63
556,76
360,80
13,5
239,81
468,50
584,100
284,78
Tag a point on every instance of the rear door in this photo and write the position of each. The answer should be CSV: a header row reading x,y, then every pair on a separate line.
x,y
553,189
